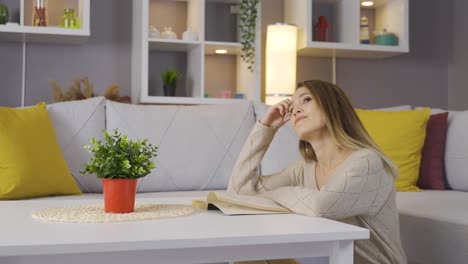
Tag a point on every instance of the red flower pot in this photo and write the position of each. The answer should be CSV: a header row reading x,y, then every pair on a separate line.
x,y
119,195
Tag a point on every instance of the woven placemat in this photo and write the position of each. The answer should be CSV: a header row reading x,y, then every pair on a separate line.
x,y
94,213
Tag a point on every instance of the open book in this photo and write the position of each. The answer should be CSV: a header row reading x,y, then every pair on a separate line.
x,y
236,204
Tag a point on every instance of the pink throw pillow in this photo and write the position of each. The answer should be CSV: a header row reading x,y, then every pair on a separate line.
x,y
432,169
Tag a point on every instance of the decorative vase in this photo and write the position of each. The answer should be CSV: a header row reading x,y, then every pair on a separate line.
x,y
69,19
386,38
3,14
189,35
40,13
169,90
153,32
322,29
119,195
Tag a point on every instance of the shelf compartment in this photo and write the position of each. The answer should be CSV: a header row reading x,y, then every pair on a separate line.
x,y
389,15
228,72
220,75
178,15
221,21
52,33
340,17
14,11
184,62
55,9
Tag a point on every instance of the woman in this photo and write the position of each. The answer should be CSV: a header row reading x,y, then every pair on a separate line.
x,y
343,174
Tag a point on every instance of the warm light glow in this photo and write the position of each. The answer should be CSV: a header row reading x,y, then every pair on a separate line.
x,y
367,3
220,51
281,60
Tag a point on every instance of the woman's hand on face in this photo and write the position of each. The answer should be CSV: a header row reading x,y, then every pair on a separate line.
x,y
277,115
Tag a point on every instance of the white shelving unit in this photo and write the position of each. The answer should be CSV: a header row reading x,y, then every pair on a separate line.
x,y
344,17
25,31
202,70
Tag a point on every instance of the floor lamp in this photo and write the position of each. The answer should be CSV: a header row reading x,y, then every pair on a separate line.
x,y
280,62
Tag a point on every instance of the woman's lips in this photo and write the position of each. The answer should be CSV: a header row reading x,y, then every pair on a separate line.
x,y
299,119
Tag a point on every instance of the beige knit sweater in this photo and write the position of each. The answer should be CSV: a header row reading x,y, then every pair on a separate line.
x,y
360,192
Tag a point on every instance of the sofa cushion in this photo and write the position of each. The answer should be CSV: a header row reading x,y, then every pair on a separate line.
x,y
76,122
198,145
434,226
31,163
432,170
401,135
456,149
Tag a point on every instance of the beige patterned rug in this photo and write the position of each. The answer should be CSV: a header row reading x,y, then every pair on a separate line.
x,y
95,213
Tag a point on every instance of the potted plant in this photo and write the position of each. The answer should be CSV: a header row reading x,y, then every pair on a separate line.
x,y
169,78
120,162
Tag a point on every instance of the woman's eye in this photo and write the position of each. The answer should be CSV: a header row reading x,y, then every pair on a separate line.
x,y
307,99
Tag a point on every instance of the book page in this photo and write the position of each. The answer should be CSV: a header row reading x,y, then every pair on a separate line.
x,y
234,209
254,202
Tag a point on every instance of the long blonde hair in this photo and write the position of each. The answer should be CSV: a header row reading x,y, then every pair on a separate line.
x,y
342,122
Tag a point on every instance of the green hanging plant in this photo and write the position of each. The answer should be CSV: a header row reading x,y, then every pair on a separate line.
x,y
248,23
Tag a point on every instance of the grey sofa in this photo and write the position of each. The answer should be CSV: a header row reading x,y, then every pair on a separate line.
x,y
198,146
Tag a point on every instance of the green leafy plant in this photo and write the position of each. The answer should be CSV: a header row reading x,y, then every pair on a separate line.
x,y
169,77
118,157
248,23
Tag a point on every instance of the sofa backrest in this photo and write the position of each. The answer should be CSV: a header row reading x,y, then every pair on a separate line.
x,y
283,150
198,145
75,123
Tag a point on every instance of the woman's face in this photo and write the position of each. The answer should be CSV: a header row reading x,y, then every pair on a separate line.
x,y
306,117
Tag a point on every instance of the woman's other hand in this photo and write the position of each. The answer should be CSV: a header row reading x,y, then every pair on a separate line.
x,y
278,114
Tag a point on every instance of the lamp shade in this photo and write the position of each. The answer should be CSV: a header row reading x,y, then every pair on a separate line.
x,y
280,78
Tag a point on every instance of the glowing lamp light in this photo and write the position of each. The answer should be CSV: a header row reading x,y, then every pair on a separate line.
x,y
220,51
281,57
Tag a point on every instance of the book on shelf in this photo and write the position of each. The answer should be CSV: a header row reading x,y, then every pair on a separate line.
x,y
236,204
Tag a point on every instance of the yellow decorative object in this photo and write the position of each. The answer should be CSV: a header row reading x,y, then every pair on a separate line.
x,y
401,135
31,162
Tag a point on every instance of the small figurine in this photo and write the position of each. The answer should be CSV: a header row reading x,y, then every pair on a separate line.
x,y
153,32
168,33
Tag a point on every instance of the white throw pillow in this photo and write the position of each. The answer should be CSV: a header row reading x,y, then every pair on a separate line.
x,y
198,145
76,122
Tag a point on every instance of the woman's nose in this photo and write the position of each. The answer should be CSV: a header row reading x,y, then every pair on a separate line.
x,y
296,110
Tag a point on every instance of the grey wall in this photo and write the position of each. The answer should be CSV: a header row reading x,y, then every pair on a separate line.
x,y
104,59
431,74
417,78
458,58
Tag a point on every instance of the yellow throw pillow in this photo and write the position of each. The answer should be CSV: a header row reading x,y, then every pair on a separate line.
x,y
400,134
31,162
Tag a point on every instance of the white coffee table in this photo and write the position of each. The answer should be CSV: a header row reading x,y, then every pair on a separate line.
x,y
200,238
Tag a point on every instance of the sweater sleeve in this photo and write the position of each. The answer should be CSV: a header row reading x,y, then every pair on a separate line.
x,y
360,189
245,178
